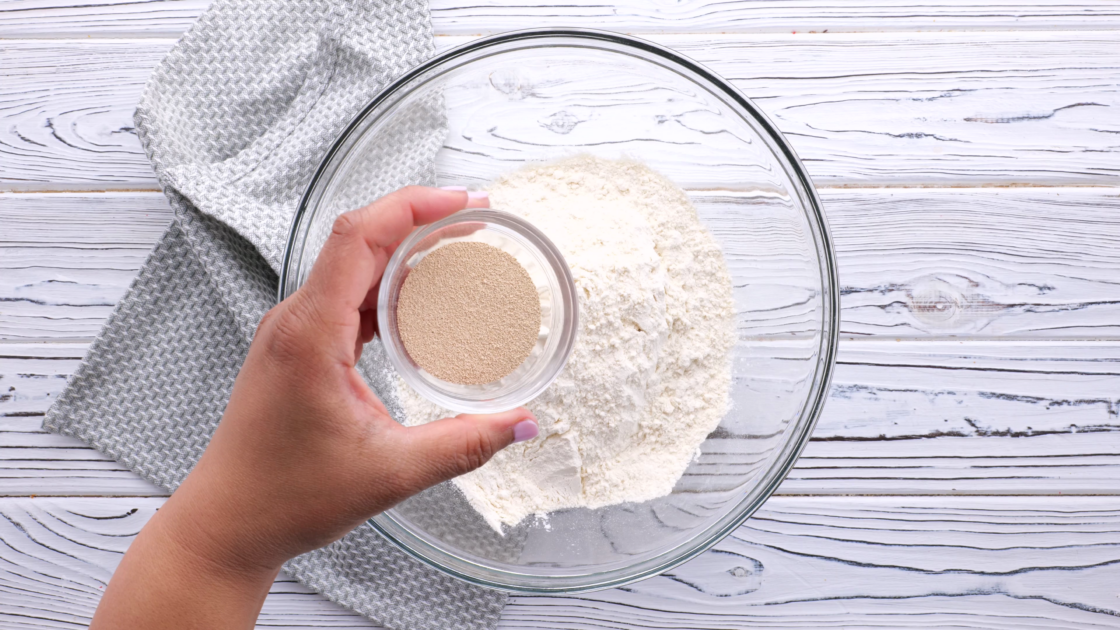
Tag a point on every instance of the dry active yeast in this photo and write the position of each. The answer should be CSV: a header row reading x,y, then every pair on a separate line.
x,y
469,313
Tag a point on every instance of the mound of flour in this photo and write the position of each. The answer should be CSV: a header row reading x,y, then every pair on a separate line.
x,y
650,373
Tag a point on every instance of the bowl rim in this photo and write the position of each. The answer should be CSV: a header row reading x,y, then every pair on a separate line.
x,y
830,321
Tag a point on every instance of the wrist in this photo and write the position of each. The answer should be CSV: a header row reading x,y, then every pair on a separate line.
x,y
211,544
173,576
215,530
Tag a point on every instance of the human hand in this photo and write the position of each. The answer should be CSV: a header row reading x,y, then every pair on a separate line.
x,y
305,451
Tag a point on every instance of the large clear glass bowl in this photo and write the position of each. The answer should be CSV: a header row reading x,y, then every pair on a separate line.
x,y
491,106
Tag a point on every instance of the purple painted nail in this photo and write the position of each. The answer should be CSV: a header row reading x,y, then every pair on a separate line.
x,y
524,430
478,194
454,188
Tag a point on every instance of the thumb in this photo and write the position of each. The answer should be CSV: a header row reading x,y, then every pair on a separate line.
x,y
440,450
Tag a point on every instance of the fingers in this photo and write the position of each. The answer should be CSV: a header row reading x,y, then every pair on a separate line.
x,y
440,450
475,198
354,257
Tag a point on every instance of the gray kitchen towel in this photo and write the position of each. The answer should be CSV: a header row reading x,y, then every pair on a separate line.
x,y
234,121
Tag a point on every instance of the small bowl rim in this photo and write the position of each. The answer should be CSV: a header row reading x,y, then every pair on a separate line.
x,y
394,347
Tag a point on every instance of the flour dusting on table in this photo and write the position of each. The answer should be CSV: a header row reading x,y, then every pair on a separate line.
x,y
649,377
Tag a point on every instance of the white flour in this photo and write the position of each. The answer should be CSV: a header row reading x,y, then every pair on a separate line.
x,y
650,374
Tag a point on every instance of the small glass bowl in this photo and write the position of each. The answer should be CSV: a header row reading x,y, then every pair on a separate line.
x,y
559,309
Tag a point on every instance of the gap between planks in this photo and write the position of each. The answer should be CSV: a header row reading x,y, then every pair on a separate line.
x,y
47,189
122,18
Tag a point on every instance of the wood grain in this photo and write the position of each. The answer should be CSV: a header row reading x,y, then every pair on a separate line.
x,y
1005,378
880,562
1038,263
904,417
1023,263
32,459
99,18
66,259
767,16
954,109
58,556
992,562
169,18
967,418
861,109
66,112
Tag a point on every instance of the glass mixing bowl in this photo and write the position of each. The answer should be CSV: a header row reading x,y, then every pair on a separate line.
x,y
491,106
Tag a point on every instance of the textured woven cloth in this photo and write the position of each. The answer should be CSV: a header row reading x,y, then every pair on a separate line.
x,y
234,121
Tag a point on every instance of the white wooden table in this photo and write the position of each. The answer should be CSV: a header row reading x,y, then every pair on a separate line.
x,y
966,470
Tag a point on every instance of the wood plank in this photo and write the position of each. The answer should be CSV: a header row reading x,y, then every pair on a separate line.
x,y
958,109
31,377
455,17
58,556
973,417
991,562
1038,263
861,109
99,18
905,417
884,562
67,113
1028,263
169,18
65,260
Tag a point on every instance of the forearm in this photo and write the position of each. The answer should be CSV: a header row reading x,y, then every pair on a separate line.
x,y
305,451
170,580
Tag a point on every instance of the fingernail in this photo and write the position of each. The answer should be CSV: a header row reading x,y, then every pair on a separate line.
x,y
454,188
478,194
525,430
